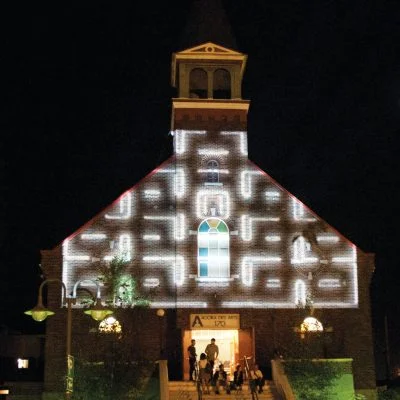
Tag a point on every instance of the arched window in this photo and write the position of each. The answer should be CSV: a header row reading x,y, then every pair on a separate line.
x,y
213,249
222,84
212,171
198,84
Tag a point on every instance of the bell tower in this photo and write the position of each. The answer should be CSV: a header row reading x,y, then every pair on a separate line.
x,y
208,73
208,78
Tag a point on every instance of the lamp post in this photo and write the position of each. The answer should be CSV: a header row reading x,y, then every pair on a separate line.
x,y
40,313
162,362
160,314
310,327
111,327
4,391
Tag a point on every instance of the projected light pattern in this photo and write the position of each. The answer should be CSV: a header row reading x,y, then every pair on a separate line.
x,y
151,194
248,266
301,251
178,304
300,292
151,282
213,152
247,225
176,262
212,197
151,237
125,205
272,195
179,182
93,236
124,249
209,220
246,182
74,256
242,138
329,283
181,137
327,239
219,171
178,222
273,283
65,266
299,212
178,172
273,238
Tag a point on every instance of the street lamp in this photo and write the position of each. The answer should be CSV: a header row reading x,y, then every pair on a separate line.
x,y
40,313
310,324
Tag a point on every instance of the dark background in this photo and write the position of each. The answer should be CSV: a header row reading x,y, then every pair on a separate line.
x,y
88,106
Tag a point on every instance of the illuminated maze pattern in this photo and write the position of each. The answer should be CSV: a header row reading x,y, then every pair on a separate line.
x,y
207,221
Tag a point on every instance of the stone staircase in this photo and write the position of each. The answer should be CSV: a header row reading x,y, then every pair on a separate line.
x,y
179,390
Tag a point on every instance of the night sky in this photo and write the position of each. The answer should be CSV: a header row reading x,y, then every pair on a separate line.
x,y
88,107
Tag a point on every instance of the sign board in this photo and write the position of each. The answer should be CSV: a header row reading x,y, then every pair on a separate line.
x,y
70,374
214,321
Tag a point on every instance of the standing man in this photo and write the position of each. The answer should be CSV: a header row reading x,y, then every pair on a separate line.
x,y
192,359
212,352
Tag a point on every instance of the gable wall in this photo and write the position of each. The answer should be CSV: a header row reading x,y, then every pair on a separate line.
x,y
274,239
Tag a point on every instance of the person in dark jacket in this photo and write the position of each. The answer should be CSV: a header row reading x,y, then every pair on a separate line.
x,y
237,378
192,359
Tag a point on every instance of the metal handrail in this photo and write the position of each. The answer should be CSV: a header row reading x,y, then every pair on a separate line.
x,y
199,387
253,390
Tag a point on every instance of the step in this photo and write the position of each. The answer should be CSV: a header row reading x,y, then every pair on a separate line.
x,y
179,390
222,396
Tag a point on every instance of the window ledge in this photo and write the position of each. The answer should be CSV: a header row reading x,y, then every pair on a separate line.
x,y
212,279
213,184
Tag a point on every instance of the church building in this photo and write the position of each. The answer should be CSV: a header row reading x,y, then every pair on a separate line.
x,y
215,244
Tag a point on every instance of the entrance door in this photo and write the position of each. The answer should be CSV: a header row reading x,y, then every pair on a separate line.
x,y
246,346
227,341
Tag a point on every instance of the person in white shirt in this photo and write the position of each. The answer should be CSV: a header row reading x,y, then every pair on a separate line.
x,y
212,352
258,378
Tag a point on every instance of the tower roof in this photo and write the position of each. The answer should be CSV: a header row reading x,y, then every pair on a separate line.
x,y
207,22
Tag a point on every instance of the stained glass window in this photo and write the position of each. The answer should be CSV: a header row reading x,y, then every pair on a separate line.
x,y
213,249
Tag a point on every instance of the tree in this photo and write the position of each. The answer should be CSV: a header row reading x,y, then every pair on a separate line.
x,y
122,286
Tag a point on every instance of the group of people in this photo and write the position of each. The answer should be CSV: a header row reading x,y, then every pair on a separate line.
x,y
219,378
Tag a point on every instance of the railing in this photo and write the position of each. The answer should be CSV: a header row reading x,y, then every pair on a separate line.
x,y
281,382
253,387
199,386
163,371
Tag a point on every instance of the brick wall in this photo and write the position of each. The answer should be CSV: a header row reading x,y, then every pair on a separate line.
x,y
154,226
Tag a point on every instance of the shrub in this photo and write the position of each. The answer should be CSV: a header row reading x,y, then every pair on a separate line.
x,y
312,380
389,394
